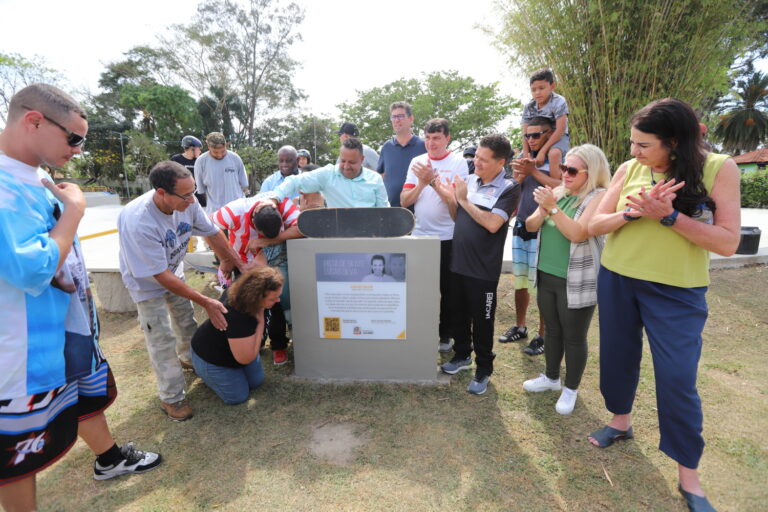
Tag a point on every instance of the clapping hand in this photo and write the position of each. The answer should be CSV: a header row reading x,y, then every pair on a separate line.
x,y
655,203
424,172
545,197
523,166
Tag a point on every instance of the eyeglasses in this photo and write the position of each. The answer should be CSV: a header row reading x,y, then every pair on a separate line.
x,y
73,139
398,117
534,135
571,170
185,197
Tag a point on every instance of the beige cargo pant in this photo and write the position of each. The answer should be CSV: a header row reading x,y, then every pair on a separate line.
x,y
168,323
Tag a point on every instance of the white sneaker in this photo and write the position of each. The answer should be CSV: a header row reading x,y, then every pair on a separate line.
x,y
567,401
541,383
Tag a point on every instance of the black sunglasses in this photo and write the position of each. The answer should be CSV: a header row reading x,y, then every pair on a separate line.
x,y
73,139
534,135
571,170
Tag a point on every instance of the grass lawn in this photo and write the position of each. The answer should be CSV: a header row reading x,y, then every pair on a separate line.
x,y
296,446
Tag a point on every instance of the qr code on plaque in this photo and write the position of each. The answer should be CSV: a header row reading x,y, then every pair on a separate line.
x,y
332,326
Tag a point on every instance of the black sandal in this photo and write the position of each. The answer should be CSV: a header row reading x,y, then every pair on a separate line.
x,y
606,436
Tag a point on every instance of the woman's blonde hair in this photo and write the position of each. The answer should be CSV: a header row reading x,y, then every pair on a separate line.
x,y
598,171
247,292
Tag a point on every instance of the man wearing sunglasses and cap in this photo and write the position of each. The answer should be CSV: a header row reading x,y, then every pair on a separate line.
x,y
371,157
54,380
524,243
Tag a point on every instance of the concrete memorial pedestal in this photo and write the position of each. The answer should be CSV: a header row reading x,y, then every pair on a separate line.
x,y
365,309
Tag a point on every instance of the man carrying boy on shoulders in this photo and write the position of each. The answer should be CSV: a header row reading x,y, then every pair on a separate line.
x,y
524,243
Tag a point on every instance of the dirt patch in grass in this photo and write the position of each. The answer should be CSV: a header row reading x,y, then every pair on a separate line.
x,y
336,442
300,446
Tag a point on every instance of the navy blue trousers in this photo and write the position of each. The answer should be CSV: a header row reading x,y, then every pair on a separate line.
x,y
673,318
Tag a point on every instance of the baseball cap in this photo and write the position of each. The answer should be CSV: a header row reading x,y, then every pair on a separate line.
x,y
349,129
470,151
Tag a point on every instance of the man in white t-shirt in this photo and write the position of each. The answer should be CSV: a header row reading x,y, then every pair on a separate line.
x,y
155,229
219,173
432,215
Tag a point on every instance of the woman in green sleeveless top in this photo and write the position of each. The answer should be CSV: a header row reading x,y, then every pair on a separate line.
x,y
664,212
568,259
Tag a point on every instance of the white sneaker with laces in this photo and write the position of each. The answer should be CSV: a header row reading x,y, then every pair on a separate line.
x,y
134,461
567,401
541,383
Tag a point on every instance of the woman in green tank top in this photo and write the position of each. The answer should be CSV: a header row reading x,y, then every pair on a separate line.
x,y
664,212
567,268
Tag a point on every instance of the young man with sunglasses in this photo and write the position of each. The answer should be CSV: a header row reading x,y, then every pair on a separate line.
x,y
397,152
154,230
54,380
524,243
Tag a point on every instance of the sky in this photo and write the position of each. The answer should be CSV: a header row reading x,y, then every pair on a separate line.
x,y
347,46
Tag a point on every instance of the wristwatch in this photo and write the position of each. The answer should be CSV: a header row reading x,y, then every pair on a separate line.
x,y
553,211
670,219
629,218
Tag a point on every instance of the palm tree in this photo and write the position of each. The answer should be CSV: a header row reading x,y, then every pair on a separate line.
x,y
745,125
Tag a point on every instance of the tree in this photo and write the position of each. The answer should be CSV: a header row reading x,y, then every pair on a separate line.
x,y
314,133
167,112
613,57
142,154
17,72
745,124
473,110
237,51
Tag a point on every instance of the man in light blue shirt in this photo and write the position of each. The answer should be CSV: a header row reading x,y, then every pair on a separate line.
x,y
347,185
287,164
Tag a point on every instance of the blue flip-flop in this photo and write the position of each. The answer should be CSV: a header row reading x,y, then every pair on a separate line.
x,y
696,503
606,436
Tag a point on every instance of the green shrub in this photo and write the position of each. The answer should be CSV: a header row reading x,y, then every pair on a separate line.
x,y
754,189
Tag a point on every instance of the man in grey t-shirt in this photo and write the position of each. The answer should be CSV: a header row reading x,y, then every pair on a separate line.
x,y
220,174
154,231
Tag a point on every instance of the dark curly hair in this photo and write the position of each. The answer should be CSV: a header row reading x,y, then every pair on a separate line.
x,y
677,126
247,292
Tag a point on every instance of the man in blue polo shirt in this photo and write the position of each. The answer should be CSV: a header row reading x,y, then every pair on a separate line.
x,y
482,208
397,152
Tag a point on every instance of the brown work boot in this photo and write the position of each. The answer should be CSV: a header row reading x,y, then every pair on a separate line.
x,y
178,411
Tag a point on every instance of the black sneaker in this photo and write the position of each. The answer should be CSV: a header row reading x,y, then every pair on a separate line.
x,y
134,461
535,347
514,333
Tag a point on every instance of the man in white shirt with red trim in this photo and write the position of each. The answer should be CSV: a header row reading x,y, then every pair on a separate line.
x,y
257,232
432,215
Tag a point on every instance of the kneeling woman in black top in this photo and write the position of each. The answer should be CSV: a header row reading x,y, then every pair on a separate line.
x,y
228,361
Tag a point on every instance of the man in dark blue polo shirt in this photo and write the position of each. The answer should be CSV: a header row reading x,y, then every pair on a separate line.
x,y
397,152
481,208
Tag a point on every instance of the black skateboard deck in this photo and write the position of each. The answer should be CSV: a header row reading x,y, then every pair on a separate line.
x,y
356,222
